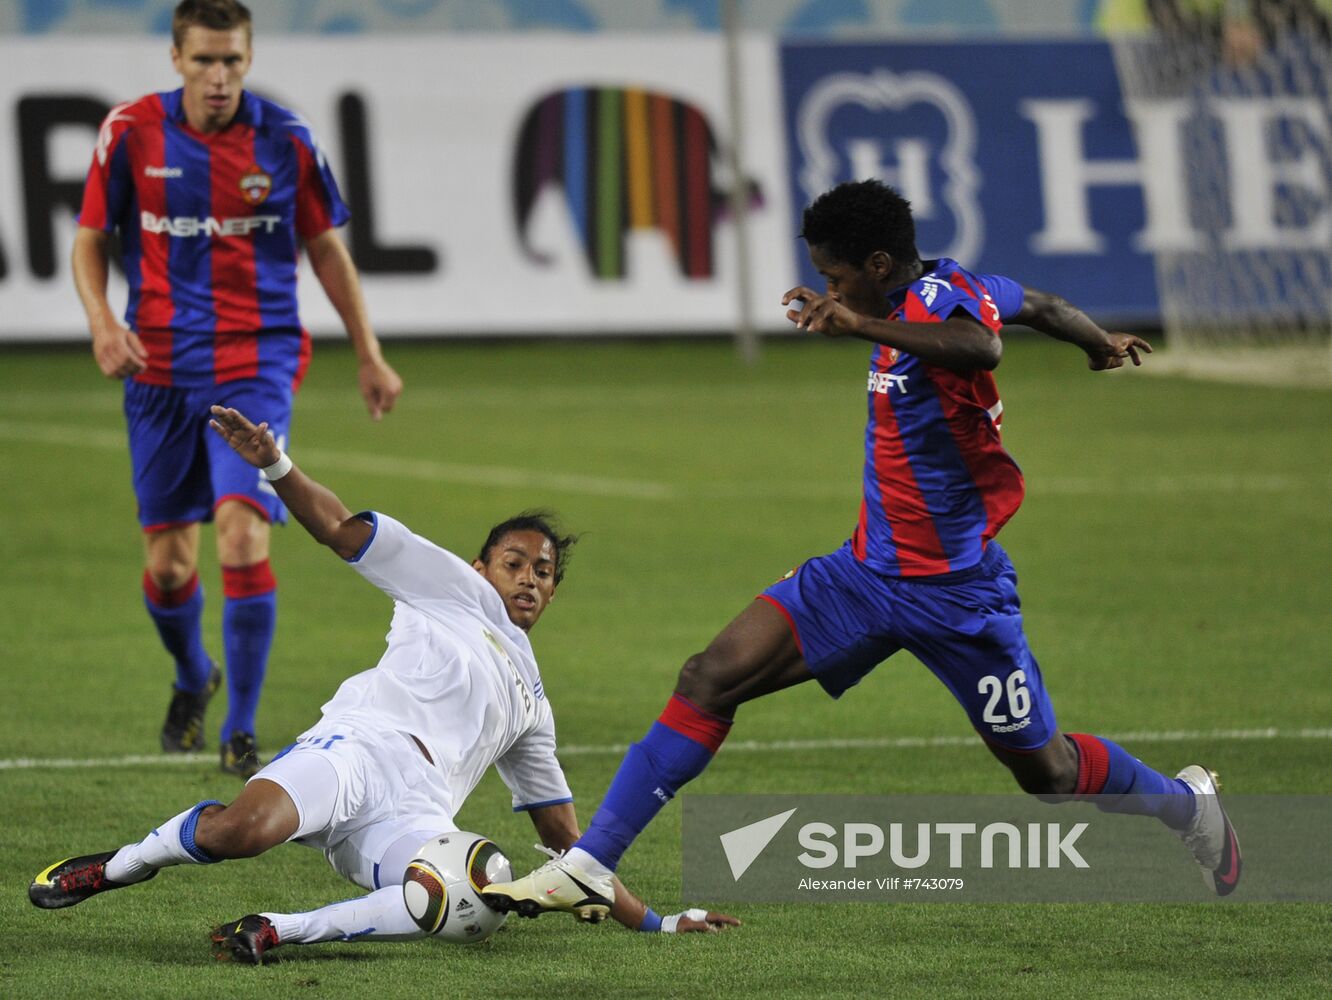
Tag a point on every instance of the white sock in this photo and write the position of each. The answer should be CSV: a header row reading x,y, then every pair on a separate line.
x,y
127,866
382,915
167,845
588,863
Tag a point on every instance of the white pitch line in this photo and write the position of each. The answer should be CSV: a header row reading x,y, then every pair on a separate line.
x,y
742,746
486,475
67,436
380,465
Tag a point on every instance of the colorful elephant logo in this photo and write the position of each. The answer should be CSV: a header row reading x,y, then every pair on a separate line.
x,y
626,159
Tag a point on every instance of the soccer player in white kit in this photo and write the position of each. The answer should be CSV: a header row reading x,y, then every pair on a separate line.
x,y
400,746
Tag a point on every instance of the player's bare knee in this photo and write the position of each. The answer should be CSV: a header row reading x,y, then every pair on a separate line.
x,y
242,535
169,566
702,681
693,682
170,574
171,556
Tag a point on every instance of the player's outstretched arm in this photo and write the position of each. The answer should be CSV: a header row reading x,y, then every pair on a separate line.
x,y
1058,318
557,826
318,509
958,342
332,264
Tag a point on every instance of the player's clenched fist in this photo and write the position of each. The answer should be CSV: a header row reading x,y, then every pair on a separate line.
x,y
254,444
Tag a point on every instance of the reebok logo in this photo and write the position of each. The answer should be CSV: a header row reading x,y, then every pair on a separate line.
x,y
163,172
743,846
1012,727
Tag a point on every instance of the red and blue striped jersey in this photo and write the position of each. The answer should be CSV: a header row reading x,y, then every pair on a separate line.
x,y
938,484
210,231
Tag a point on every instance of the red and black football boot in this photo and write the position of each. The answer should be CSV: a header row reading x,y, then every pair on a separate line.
x,y
73,880
247,940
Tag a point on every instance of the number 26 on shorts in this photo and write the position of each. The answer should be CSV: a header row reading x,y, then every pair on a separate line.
x,y
1019,699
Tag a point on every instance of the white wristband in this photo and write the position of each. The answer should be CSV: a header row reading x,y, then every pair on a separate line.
x,y
278,469
670,925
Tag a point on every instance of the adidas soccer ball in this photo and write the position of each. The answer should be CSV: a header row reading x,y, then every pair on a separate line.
x,y
442,887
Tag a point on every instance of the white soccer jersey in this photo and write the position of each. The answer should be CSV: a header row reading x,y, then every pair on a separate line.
x,y
457,674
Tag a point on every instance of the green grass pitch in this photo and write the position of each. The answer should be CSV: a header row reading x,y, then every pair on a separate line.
x,y
1173,551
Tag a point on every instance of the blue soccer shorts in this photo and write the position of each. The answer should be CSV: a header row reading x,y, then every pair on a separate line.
x,y
965,626
182,469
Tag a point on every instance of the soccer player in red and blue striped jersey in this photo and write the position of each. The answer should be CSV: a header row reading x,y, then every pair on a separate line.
x,y
214,192
922,570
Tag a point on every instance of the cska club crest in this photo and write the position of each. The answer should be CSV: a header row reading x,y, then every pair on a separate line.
x,y
255,185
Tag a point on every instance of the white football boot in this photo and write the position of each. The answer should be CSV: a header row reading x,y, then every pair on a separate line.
x,y
1209,835
558,885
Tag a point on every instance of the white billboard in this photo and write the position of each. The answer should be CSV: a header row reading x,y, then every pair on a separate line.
x,y
541,184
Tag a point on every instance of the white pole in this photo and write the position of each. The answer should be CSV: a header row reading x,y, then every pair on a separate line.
x,y
746,339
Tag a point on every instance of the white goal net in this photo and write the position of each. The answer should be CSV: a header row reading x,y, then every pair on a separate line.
x,y
1246,292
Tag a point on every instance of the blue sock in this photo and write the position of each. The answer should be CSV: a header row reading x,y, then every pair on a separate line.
x,y
248,623
652,771
1124,784
177,615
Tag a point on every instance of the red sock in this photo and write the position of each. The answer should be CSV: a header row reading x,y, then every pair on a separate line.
x,y
1093,764
689,720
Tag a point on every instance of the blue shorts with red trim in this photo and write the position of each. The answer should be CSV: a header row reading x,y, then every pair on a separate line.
x,y
182,470
965,626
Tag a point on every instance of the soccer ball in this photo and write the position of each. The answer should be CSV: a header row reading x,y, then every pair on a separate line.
x,y
442,887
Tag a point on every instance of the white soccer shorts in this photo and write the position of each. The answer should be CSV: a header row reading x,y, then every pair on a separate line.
x,y
361,797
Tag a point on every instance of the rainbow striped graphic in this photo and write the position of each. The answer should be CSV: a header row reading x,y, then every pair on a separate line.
x,y
626,159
